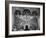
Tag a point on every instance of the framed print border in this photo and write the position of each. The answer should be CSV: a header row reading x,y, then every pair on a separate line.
x,y
7,18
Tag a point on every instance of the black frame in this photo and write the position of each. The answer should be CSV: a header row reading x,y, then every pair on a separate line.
x,y
7,17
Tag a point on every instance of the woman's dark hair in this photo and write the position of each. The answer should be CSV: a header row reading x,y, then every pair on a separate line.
x,y
26,11
17,12
34,13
